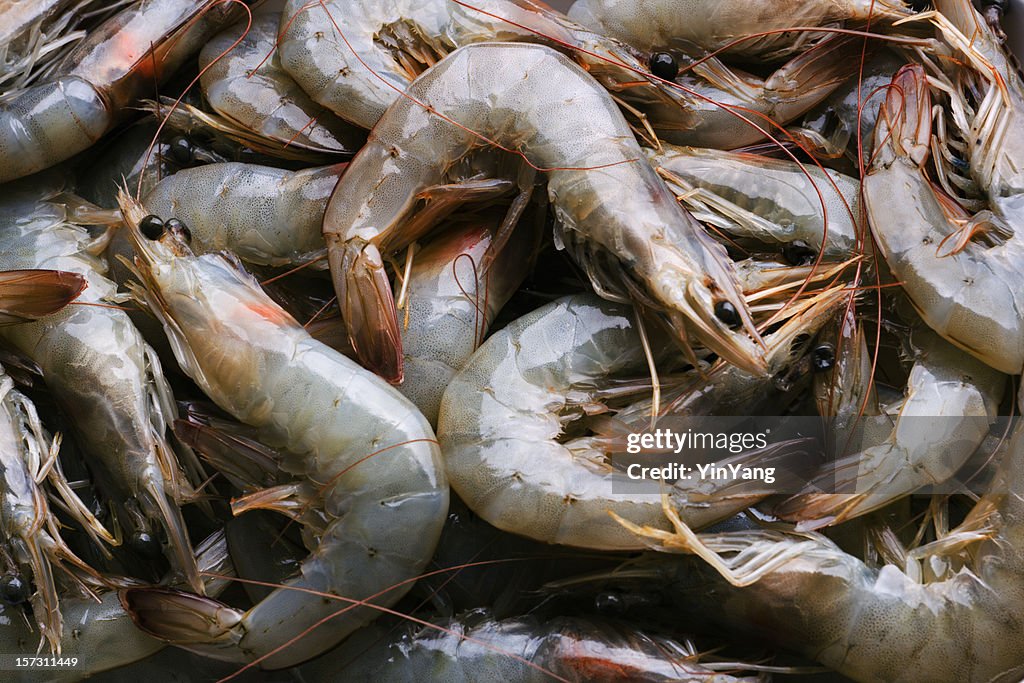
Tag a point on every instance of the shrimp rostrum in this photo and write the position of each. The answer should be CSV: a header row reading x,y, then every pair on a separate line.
x,y
368,486
609,201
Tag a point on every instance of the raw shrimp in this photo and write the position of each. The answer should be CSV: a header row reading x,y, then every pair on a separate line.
x,y
712,24
357,60
769,200
455,289
369,488
107,379
262,214
99,80
951,400
607,197
477,647
502,416
803,592
252,90
971,297
100,633
31,546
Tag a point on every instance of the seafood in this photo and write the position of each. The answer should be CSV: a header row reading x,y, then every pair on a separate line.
x,y
715,24
49,122
32,547
107,379
477,647
970,297
358,60
369,487
99,632
261,214
951,400
772,201
595,173
455,288
502,416
253,91
871,624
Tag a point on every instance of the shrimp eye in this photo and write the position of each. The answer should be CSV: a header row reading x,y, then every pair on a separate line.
x,y
144,544
823,357
178,229
610,603
152,227
13,590
798,253
664,66
181,150
728,314
919,5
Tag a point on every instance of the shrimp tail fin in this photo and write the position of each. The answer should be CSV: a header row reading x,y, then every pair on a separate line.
x,y
30,294
192,622
368,305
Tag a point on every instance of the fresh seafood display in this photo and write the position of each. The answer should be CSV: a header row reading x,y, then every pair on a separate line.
x,y
476,340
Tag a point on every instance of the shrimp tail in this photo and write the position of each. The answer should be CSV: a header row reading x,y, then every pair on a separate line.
x,y
191,622
368,305
30,294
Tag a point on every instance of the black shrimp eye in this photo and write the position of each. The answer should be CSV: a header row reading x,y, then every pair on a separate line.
x,y
181,150
823,357
152,227
178,229
664,65
610,603
728,314
144,544
798,253
919,5
14,590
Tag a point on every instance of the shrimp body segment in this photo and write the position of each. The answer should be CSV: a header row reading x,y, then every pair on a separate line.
x,y
535,101
369,487
713,24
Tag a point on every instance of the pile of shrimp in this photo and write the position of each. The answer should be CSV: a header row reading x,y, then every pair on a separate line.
x,y
328,330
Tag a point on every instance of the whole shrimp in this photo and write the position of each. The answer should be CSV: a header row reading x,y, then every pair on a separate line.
x,y
951,400
968,293
254,92
805,593
503,415
369,487
477,647
107,379
714,24
97,82
608,199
